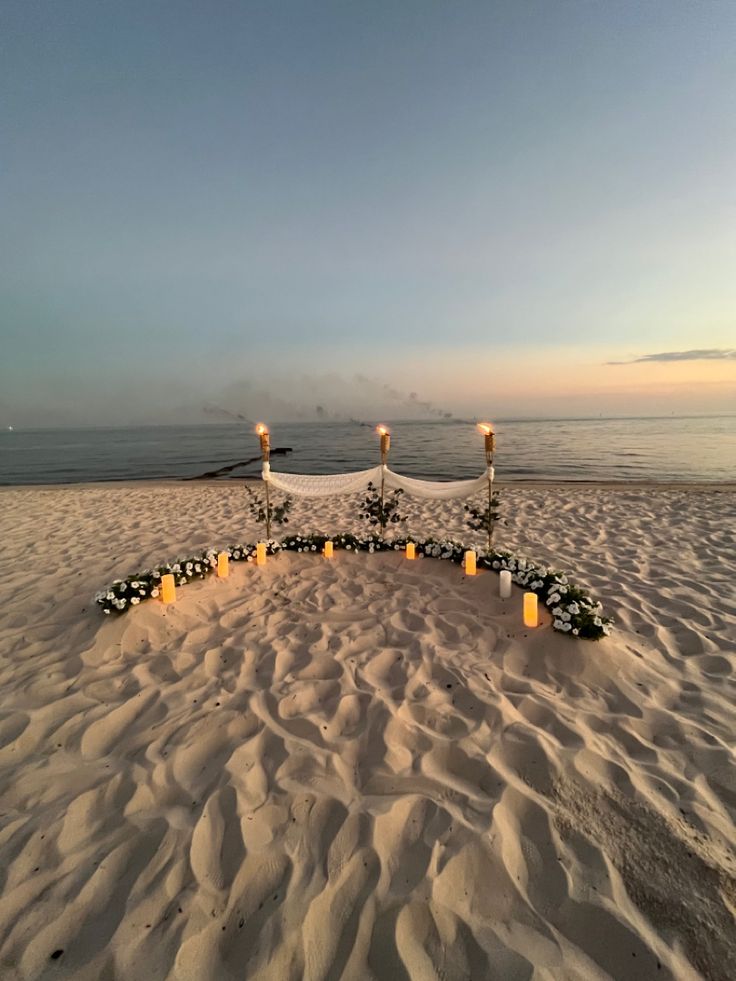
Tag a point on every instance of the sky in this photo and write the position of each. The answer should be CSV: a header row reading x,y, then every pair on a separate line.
x,y
498,209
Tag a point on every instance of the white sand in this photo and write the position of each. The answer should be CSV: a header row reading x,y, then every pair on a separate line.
x,y
366,768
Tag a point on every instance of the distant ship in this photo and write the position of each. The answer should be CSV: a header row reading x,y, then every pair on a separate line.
x,y
10,429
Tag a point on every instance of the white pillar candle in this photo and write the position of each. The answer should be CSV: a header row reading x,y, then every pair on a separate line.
x,y
504,585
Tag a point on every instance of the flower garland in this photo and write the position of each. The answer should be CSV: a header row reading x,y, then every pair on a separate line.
x,y
572,609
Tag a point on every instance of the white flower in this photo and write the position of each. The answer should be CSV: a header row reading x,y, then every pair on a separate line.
x,y
496,565
107,612
606,630
154,593
197,567
554,598
314,548
567,627
236,554
566,616
134,600
559,624
574,609
176,567
575,631
597,621
110,595
141,592
123,586
557,611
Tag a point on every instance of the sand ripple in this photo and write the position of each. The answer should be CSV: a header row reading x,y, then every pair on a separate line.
x,y
368,769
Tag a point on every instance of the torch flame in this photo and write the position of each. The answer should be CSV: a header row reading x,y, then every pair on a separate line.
x,y
261,429
485,428
382,430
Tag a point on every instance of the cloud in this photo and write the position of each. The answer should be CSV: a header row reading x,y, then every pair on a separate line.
x,y
705,354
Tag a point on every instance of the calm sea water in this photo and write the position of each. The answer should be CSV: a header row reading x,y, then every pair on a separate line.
x,y
684,449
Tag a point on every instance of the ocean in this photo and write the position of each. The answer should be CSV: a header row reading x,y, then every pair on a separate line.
x,y
701,449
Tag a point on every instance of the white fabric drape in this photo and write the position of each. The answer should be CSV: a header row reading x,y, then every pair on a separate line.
x,y
436,490
330,485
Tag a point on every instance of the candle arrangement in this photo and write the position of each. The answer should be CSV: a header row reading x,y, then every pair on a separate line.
x,y
585,617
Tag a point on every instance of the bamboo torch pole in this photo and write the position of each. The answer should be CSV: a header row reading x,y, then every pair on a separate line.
x,y
490,446
385,446
265,438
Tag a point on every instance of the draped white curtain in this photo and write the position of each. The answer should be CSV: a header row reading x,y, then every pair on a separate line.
x,y
330,485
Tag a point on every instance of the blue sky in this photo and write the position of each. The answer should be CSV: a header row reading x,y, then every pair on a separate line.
x,y
483,203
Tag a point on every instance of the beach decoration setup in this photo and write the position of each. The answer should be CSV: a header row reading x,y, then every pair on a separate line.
x,y
332,485
572,610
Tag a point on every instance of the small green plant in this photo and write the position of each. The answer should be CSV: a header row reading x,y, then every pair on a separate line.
x,y
259,509
484,518
381,511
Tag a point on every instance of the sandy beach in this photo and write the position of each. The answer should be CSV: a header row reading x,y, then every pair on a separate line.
x,y
367,768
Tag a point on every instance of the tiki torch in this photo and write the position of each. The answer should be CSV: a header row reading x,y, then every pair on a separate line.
x,y
265,438
490,447
385,447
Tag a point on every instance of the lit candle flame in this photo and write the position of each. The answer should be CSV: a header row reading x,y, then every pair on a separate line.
x,y
485,427
382,430
261,429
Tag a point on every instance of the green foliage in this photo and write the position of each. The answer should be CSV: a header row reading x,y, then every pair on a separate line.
x,y
485,518
257,508
382,513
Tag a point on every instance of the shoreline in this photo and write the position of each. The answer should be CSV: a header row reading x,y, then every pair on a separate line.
x,y
540,484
